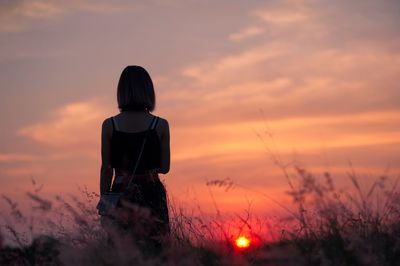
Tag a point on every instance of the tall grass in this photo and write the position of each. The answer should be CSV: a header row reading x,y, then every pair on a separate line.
x,y
358,227
330,227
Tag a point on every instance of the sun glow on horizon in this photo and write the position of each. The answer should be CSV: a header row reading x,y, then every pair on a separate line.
x,y
242,242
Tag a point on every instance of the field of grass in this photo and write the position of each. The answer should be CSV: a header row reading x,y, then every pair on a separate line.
x,y
330,227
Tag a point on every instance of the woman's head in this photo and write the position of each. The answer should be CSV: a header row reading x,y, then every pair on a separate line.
x,y
135,90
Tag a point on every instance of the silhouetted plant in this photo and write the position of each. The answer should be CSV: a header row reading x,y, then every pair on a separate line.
x,y
331,226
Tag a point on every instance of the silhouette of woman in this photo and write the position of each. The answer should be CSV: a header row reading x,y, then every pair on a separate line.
x,y
142,213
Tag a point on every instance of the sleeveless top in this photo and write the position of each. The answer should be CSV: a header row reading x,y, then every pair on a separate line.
x,y
125,148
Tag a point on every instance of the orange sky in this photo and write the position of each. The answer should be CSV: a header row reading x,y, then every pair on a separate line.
x,y
320,77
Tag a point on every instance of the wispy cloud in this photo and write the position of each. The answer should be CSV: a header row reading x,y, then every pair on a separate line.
x,y
75,125
69,141
283,15
17,15
283,81
235,65
305,133
17,157
247,33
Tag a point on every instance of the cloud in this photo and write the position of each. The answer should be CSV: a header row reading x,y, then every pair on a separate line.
x,y
305,133
283,15
18,15
285,81
17,157
73,126
240,65
246,33
67,147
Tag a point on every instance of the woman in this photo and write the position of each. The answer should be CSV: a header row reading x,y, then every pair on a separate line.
x,y
142,213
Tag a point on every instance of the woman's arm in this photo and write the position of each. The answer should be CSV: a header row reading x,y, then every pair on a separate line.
x,y
165,150
106,171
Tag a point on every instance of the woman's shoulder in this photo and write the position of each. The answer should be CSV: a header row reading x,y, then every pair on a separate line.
x,y
162,123
162,127
107,123
107,127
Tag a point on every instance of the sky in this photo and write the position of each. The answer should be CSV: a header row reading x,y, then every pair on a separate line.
x,y
312,83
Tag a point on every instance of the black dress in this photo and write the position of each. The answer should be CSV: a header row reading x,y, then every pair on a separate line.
x,y
145,212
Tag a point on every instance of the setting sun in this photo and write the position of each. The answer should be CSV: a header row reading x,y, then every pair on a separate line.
x,y
242,242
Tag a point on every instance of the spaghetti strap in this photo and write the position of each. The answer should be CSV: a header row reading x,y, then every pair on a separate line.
x,y
112,122
156,122
153,123
115,125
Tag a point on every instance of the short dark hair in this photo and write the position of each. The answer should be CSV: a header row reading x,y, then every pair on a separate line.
x,y
135,90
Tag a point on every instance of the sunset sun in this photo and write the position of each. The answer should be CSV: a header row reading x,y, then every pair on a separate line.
x,y
242,242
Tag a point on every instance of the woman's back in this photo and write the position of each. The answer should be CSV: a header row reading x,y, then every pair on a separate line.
x,y
129,131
